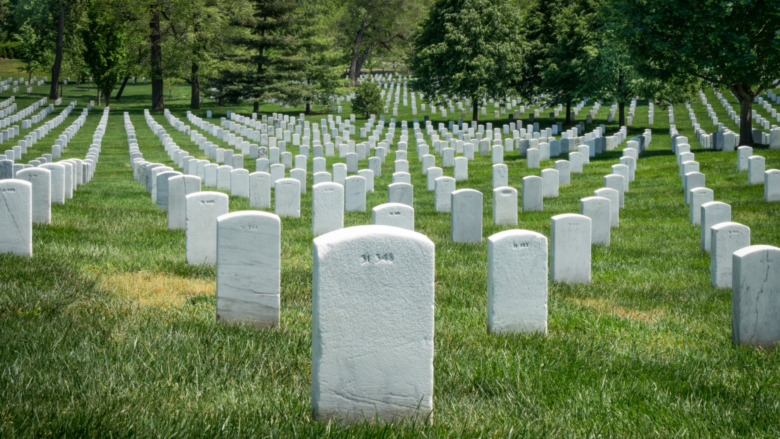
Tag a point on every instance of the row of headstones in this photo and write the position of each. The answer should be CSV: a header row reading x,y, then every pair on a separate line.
x,y
26,197
752,272
33,136
8,118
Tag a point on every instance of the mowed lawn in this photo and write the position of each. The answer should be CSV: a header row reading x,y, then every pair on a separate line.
x,y
106,331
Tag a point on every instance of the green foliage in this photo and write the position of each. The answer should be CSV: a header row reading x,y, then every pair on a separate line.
x,y
367,99
563,50
104,46
469,49
32,48
10,50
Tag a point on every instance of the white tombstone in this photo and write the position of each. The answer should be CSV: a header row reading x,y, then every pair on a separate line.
x,y
532,158
743,153
372,325
179,187
16,214
466,216
712,212
162,188
615,181
249,268
442,199
202,210
599,210
756,167
725,239
549,183
327,213
339,173
755,296
393,214
570,253
533,191
564,172
287,197
300,175
432,175
40,179
239,183
277,172
772,185
355,193
260,190
57,178
517,282
461,170
400,193
697,197
368,175
505,206
625,172
500,175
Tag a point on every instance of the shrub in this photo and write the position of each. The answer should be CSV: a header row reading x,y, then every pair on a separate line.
x,y
367,99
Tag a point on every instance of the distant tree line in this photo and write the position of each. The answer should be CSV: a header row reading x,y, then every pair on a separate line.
x,y
304,52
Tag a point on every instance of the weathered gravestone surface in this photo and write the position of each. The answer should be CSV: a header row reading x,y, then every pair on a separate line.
x,y
239,183
57,179
599,210
517,282
615,181
355,191
432,175
444,187
549,183
466,216
756,166
393,214
287,197
713,212
372,325
248,268
179,187
570,248
772,185
500,175
743,153
505,206
755,296
725,239
564,172
40,179
260,190
327,213
533,191
400,193
163,188
698,197
202,210
16,217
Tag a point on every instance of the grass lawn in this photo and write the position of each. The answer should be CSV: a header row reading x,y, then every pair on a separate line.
x,y
106,331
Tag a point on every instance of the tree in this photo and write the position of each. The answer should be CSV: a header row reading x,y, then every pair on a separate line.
x,y
56,66
562,61
367,99
104,41
732,44
32,48
320,56
468,48
155,52
368,24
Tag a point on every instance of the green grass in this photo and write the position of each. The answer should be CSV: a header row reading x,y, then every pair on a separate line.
x,y
106,331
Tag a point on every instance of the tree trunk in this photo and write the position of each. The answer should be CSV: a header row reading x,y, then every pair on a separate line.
x,y
256,107
308,107
475,109
354,70
55,68
108,98
622,114
568,113
98,98
155,37
122,88
195,93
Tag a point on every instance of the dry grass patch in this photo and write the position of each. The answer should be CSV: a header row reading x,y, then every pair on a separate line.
x,y
159,290
608,307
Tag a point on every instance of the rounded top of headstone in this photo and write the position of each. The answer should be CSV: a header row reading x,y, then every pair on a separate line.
x,y
730,225
595,199
758,249
534,177
207,195
249,217
721,204
516,234
392,234
570,217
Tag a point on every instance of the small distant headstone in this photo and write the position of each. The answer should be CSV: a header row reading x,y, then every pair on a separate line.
x,y
698,196
202,210
16,213
615,181
57,182
570,253
755,296
725,239
287,197
713,212
504,206
533,190
461,170
382,360
248,268
401,193
40,179
743,153
466,216
772,185
598,209
756,167
517,282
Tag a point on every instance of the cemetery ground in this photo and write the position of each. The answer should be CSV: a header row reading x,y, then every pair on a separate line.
x,y
106,331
